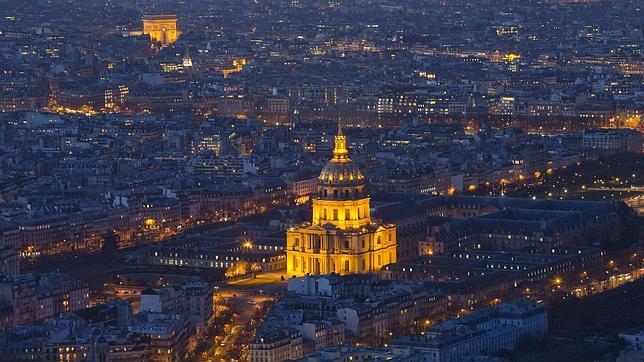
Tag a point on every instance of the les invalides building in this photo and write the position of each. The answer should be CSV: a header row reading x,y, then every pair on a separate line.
x,y
341,238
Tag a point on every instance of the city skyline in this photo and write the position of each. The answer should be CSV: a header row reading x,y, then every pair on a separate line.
x,y
321,180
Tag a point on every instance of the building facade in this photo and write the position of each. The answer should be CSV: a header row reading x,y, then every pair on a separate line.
x,y
341,238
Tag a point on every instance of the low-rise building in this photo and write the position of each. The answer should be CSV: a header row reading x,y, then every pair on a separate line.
x,y
28,298
480,333
612,140
333,310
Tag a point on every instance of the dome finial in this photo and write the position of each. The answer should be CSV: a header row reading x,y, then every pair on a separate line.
x,y
340,146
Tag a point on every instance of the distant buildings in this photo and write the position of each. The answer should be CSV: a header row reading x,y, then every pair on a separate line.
x,y
348,353
500,223
193,298
30,298
480,333
473,277
477,248
9,244
169,321
612,140
278,345
168,335
323,312
368,310
259,254
103,332
80,97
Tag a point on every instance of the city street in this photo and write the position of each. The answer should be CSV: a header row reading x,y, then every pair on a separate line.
x,y
247,299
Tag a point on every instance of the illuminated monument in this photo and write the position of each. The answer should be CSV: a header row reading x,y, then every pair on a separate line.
x,y
341,238
161,28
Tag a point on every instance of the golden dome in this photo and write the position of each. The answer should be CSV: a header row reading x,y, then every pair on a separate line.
x,y
340,171
341,174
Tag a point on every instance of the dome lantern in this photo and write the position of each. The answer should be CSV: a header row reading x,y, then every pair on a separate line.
x,y
340,177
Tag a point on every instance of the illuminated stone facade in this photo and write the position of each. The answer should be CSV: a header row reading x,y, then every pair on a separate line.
x,y
161,28
341,238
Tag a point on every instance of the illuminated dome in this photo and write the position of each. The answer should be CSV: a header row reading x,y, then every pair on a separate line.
x,y
341,237
341,178
341,174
